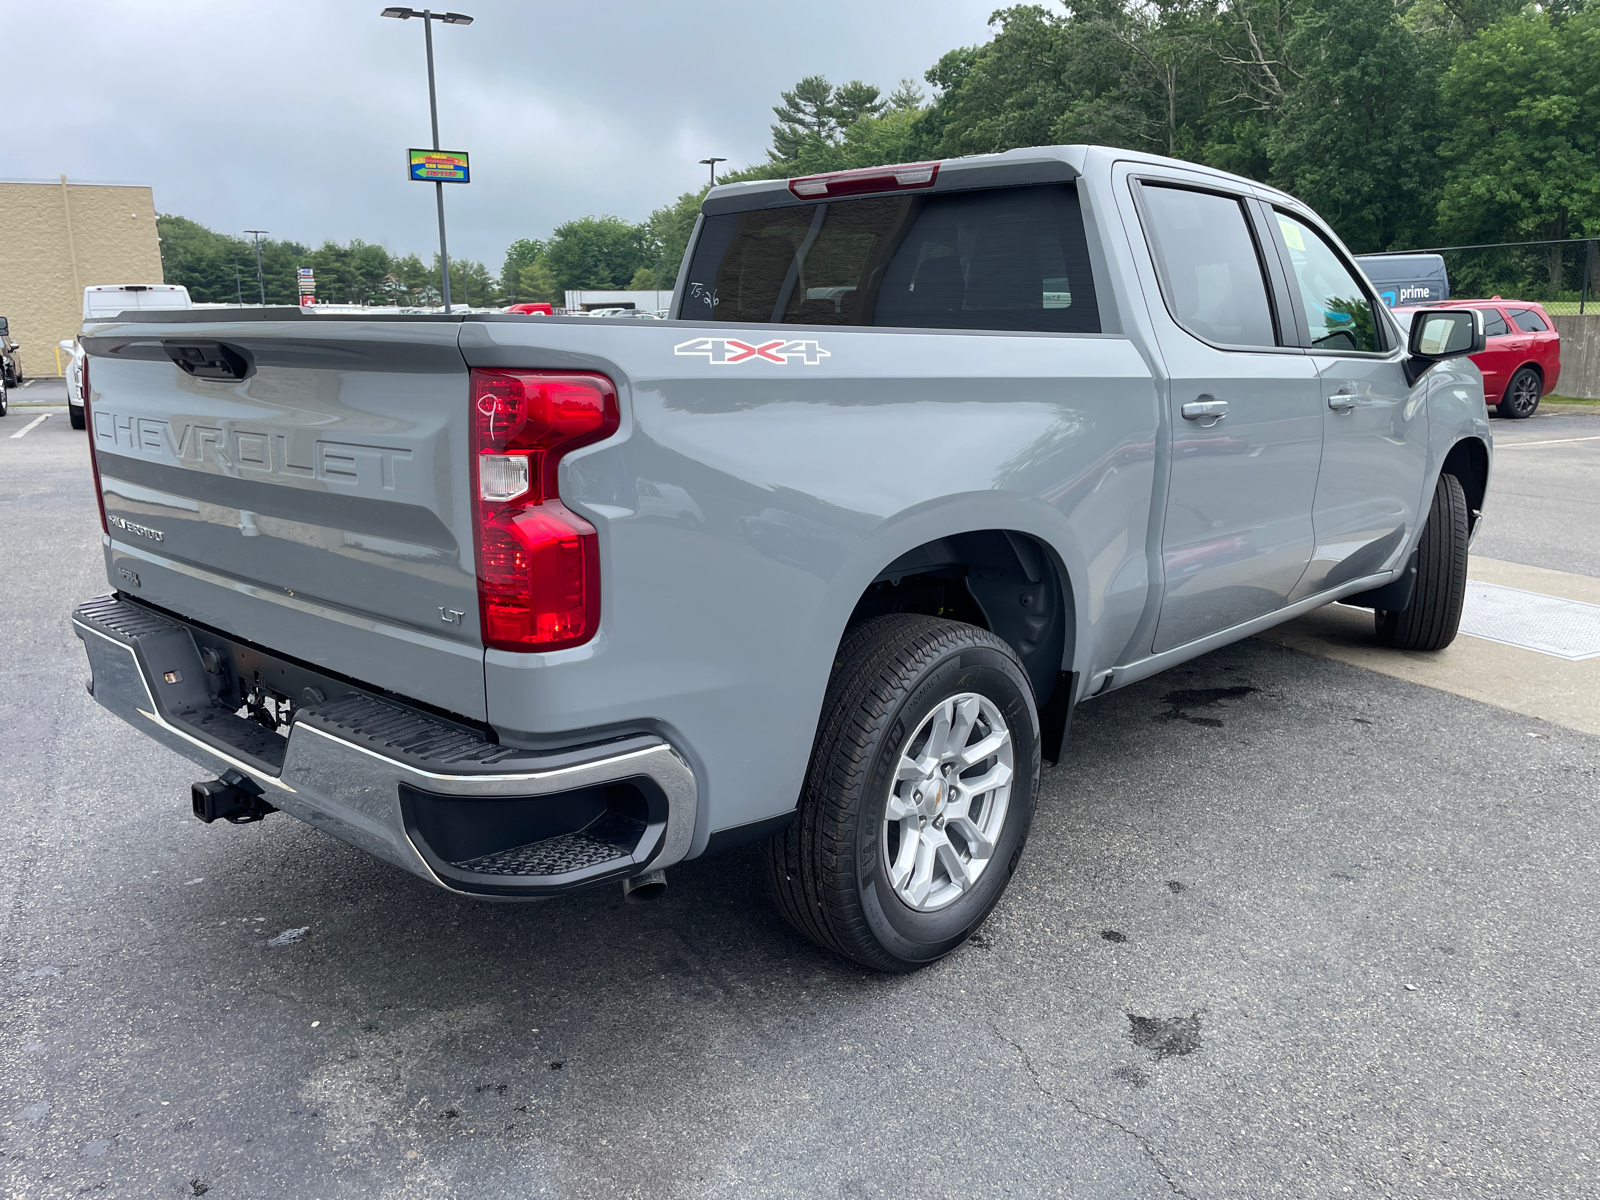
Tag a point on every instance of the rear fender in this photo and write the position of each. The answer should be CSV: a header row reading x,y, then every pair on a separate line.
x,y
943,518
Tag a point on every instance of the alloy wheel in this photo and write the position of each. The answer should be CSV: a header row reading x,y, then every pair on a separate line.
x,y
1524,394
947,804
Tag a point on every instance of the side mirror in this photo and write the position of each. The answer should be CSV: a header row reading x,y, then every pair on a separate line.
x,y
1441,333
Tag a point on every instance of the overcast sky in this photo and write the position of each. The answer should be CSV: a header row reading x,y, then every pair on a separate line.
x,y
295,116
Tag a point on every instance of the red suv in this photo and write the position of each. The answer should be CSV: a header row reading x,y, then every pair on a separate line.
x,y
1522,359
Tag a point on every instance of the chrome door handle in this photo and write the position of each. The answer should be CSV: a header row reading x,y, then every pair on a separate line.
x,y
1205,410
1342,402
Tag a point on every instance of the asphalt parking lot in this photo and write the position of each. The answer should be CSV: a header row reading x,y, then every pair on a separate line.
x,y
1286,926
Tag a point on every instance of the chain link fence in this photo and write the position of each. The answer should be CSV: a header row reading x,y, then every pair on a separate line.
x,y
1563,276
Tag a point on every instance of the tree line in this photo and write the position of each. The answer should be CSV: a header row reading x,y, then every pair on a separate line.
x,y
220,268
1405,123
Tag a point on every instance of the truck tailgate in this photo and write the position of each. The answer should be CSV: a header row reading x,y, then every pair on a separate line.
x,y
318,504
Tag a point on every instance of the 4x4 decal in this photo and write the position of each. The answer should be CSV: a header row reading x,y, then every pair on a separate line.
x,y
722,352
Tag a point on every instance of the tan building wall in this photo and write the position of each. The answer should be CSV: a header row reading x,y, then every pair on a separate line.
x,y
57,239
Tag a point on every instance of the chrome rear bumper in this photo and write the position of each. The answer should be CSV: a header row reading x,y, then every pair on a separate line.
x,y
395,781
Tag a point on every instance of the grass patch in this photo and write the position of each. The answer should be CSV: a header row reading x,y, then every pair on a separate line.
x,y
1573,400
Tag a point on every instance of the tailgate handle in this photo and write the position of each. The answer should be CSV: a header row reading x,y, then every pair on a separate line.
x,y
208,360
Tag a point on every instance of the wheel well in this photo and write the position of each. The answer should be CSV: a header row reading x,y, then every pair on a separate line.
x,y
1468,461
997,579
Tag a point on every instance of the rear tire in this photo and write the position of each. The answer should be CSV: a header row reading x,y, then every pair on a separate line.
x,y
1430,621
909,698
1521,397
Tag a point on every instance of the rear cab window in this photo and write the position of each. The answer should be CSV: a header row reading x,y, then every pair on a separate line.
x,y
1011,259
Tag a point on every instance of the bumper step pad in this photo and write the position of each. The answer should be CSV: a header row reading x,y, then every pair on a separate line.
x,y
407,736
170,664
553,856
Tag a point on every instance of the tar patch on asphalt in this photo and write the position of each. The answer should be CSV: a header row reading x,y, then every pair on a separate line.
x,y
1131,1075
1180,702
1166,1037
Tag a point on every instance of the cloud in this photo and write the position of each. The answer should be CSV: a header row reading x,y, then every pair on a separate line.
x,y
295,116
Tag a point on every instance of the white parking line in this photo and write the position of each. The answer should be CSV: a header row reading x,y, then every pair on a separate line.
x,y
1550,442
23,432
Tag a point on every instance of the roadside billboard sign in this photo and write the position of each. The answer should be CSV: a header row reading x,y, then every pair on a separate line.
x,y
440,166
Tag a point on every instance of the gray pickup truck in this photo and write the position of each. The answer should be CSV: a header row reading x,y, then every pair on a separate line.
x,y
926,456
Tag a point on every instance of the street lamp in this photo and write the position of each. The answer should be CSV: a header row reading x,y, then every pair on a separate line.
x,y
712,163
260,278
428,18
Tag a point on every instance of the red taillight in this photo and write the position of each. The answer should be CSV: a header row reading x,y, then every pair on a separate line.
x,y
538,562
88,423
899,178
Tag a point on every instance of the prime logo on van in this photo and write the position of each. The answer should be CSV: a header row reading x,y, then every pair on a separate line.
x,y
726,352
236,451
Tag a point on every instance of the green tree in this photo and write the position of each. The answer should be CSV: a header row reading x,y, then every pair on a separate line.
x,y
1122,74
805,116
537,282
520,254
1358,137
411,282
204,261
471,285
906,97
594,252
666,235
350,274
1522,149
853,101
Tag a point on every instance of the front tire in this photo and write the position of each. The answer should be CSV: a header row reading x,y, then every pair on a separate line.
x,y
923,781
1430,621
75,415
1521,397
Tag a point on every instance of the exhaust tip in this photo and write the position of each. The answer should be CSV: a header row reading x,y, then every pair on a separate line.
x,y
652,885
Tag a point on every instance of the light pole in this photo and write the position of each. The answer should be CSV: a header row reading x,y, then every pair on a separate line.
x,y
260,278
428,18
712,163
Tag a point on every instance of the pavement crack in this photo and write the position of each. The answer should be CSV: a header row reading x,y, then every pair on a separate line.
x,y
1144,1144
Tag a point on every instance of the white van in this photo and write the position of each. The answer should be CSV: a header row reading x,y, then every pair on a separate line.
x,y
109,299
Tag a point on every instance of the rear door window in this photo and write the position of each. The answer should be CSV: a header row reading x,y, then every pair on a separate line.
x,y
1209,266
1494,325
1527,320
997,259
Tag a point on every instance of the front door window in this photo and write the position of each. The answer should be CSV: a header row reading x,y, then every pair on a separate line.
x,y
1339,314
